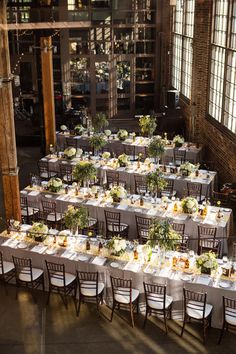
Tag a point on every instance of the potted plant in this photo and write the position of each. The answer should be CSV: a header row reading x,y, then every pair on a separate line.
x,y
156,148
84,171
100,122
161,233
123,160
69,153
207,262
178,141
54,185
97,142
147,125
189,205
155,182
117,245
122,134
76,218
117,193
38,231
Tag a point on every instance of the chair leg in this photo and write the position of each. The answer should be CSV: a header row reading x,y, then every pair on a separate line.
x,y
48,297
166,328
132,314
221,333
145,319
78,308
185,319
204,330
113,309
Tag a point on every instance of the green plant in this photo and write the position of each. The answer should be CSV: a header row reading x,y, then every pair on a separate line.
x,y
97,142
100,122
76,217
162,233
147,125
84,171
155,181
156,147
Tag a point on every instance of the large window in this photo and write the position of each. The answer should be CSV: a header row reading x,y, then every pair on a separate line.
x,y
183,23
222,85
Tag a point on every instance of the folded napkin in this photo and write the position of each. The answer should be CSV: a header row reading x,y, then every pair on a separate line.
x,y
204,280
164,272
39,249
94,202
10,243
152,211
99,260
122,206
23,192
34,193
133,267
53,160
68,254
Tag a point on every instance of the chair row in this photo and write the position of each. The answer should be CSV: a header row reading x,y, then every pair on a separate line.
x,y
123,294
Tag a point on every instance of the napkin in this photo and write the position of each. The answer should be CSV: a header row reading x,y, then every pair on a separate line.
x,y
122,206
94,202
34,193
164,272
99,260
39,249
68,254
53,160
10,243
204,280
133,267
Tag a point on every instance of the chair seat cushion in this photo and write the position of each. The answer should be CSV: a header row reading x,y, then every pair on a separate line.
x,y
54,217
36,273
230,316
117,227
156,301
123,296
47,175
88,288
194,311
31,211
57,280
7,267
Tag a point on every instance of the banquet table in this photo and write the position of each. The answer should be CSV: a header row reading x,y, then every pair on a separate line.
x,y
75,258
128,208
193,151
208,179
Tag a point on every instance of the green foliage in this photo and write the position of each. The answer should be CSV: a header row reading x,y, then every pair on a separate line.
x,y
97,141
100,122
156,147
147,125
161,233
84,171
155,181
76,217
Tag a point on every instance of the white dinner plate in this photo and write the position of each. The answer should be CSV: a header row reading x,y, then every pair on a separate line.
x,y
185,277
224,284
82,258
22,245
50,251
114,265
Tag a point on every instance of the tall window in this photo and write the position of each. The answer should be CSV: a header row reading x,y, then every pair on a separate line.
x,y
222,85
183,22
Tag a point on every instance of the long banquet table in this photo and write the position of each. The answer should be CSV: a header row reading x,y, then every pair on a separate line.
x,y
128,269
130,207
193,152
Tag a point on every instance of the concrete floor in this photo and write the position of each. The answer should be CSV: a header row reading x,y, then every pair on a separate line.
x,y
29,328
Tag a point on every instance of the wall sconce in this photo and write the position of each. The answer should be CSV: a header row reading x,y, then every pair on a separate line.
x,y
5,80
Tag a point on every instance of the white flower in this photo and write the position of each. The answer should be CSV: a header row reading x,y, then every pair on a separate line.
x,y
190,204
63,128
79,152
70,151
178,139
122,134
106,155
123,244
147,161
107,132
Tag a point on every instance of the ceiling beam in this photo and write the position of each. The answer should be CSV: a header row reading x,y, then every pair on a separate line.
x,y
45,25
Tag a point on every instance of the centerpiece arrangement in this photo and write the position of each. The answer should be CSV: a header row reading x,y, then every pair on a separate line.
x,y
38,231
147,125
76,218
106,155
79,129
122,134
97,142
161,233
117,245
155,182
63,128
189,205
54,185
69,153
100,122
83,172
117,193
107,132
187,168
207,262
123,160
156,148
178,140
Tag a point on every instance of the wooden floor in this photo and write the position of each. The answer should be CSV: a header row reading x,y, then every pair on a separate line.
x,y
29,328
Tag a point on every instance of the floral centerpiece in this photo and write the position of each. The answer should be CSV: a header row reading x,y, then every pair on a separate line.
x,y
76,218
189,205
178,140
117,245
38,231
54,185
117,193
79,129
69,153
84,171
147,125
63,128
207,262
107,132
97,141
123,160
162,233
156,147
187,168
122,134
106,155
155,181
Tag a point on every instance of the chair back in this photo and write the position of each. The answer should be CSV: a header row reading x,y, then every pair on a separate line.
x,y
195,301
178,227
88,282
112,178
206,232
23,202
140,185
1,263
23,267
48,206
234,252
179,156
169,188
71,142
43,167
66,172
183,244
112,219
130,151
194,190
229,309
143,226
222,197
155,293
207,245
121,288
56,273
